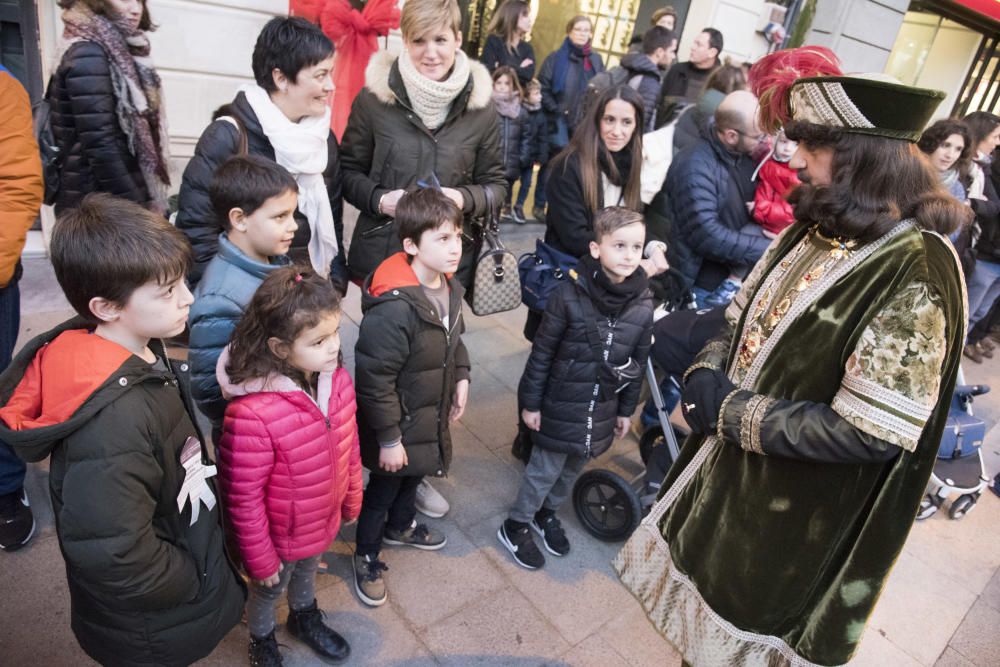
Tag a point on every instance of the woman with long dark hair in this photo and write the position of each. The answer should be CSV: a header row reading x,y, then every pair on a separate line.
x,y
506,45
599,168
108,115
948,148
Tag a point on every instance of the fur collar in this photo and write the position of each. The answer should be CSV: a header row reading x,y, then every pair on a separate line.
x,y
377,80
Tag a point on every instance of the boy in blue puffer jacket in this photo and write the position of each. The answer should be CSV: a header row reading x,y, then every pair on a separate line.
x,y
254,200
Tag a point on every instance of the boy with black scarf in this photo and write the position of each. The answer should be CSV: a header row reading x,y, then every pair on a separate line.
x,y
582,380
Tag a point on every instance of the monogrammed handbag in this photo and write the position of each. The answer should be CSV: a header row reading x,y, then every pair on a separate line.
x,y
496,286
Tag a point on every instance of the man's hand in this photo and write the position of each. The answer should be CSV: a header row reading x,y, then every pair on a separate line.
x,y
459,400
532,419
273,580
392,459
387,204
621,426
704,392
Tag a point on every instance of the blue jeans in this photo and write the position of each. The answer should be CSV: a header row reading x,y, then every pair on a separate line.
x,y
522,194
543,175
984,288
11,468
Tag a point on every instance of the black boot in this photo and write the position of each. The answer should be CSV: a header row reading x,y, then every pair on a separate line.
x,y
264,651
307,626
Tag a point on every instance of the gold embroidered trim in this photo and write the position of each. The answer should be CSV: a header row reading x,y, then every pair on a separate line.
x,y
722,413
751,420
701,364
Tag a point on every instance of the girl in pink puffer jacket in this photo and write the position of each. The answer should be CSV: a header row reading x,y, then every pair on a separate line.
x,y
289,463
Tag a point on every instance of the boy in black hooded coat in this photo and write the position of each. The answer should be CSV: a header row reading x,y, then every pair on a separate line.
x,y
582,380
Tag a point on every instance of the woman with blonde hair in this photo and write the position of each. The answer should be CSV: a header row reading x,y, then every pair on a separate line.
x,y
506,46
424,116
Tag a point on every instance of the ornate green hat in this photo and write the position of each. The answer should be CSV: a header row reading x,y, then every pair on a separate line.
x,y
864,104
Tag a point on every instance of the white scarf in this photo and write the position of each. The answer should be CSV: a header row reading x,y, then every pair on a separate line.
x,y
301,148
431,99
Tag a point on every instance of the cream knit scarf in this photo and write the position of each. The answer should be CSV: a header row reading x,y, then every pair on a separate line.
x,y
432,99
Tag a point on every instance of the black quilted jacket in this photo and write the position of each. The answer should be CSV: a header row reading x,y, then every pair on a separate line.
x,y
218,143
562,370
94,149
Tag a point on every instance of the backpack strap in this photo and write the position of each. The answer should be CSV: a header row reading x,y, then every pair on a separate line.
x,y
243,144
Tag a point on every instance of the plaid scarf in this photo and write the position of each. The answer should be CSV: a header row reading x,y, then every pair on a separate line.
x,y
137,90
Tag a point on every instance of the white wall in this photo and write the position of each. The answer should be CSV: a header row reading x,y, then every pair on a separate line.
x,y
860,32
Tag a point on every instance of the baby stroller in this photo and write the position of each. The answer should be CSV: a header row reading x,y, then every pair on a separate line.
x,y
609,506
959,468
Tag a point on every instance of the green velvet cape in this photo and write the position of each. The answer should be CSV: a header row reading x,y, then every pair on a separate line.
x,y
757,560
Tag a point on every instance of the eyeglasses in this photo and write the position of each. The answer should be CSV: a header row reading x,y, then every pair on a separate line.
x,y
756,137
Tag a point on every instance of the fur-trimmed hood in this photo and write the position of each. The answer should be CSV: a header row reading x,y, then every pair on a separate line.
x,y
380,65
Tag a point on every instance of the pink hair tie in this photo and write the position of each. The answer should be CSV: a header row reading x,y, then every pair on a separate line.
x,y
298,277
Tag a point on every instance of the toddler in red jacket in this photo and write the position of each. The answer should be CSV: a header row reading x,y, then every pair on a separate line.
x,y
289,463
776,179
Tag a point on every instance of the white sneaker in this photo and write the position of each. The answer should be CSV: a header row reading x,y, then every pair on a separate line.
x,y
430,502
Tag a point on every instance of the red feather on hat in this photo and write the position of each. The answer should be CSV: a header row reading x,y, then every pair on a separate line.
x,y
772,76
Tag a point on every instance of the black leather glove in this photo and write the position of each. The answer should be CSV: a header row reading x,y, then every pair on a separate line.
x,y
702,398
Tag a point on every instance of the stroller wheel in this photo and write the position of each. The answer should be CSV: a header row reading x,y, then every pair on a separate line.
x,y
928,507
962,505
607,505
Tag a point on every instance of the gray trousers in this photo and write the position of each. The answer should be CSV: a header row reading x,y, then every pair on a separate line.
x,y
299,577
548,481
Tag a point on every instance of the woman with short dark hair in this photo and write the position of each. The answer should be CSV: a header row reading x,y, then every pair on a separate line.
x,y
284,117
108,116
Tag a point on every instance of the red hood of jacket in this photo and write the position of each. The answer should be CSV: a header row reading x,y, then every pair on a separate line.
x,y
61,377
394,272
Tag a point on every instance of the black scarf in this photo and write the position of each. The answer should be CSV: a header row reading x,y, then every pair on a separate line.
x,y
622,162
610,298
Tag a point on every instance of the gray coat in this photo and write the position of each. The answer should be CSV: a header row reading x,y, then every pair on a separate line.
x,y
386,147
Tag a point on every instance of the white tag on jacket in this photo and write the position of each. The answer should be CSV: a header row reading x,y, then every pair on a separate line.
x,y
195,484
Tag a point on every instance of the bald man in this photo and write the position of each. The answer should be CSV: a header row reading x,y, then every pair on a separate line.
x,y
707,198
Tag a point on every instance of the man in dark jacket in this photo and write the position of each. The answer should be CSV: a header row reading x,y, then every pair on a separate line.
x,y
685,81
707,196
645,69
130,478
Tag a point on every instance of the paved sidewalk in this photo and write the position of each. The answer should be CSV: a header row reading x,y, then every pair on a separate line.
x,y
470,605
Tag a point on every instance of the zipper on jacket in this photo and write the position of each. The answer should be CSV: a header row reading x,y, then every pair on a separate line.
x,y
588,442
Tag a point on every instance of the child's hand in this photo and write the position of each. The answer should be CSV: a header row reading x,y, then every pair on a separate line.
x,y
526,62
273,580
392,459
532,420
459,400
621,426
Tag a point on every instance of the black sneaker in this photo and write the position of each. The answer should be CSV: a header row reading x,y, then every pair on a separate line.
x,y
368,582
547,525
17,524
264,651
417,535
517,538
307,626
518,215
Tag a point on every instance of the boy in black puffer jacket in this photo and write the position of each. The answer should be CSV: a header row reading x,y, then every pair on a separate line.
x,y
132,485
582,380
412,380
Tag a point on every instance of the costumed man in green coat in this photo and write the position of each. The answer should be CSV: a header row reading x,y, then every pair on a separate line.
x,y
817,413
